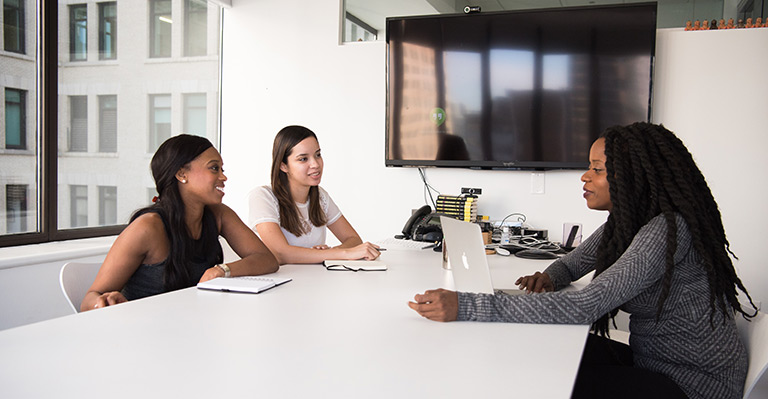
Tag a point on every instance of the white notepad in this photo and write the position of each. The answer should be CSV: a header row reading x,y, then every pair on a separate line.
x,y
248,284
355,265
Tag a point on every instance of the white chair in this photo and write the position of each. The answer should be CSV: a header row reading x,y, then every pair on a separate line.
x,y
75,278
754,335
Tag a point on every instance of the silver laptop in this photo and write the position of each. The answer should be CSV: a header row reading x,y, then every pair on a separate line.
x,y
466,253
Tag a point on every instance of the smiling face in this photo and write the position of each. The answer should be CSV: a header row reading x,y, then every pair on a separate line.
x,y
204,178
596,179
303,165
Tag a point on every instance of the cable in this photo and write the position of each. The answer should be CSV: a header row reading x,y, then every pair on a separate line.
x,y
428,188
521,218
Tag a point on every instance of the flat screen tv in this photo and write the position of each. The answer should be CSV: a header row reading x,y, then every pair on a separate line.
x,y
515,90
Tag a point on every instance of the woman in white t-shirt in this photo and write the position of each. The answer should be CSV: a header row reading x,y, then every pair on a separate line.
x,y
291,216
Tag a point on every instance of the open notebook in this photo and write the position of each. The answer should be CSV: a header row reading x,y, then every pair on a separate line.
x,y
355,265
248,284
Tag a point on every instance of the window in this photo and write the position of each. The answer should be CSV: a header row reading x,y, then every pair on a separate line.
x,y
87,170
78,123
195,27
108,123
108,31
160,120
15,119
78,32
13,25
107,205
160,24
78,197
16,208
195,114
355,30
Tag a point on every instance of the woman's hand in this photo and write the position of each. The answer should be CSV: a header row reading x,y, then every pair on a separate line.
x,y
538,282
212,273
109,299
365,251
437,305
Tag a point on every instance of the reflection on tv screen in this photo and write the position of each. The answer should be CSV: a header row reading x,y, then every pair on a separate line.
x,y
515,89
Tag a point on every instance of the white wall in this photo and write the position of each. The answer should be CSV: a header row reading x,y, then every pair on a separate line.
x,y
283,65
712,90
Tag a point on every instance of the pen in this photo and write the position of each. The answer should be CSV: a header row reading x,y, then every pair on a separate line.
x,y
381,249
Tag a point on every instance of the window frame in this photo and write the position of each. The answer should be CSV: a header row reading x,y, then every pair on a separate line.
x,y
103,55
74,104
105,100
153,15
25,208
23,119
190,13
21,32
73,54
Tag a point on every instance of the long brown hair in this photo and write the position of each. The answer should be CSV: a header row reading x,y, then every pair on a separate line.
x,y
286,139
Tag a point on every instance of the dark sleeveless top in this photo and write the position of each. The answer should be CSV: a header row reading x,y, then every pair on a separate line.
x,y
149,280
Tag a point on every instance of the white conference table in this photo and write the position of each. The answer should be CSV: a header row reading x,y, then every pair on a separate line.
x,y
325,335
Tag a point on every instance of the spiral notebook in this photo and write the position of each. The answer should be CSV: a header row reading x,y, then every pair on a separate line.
x,y
247,284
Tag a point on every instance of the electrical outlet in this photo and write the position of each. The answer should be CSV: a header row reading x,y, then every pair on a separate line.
x,y
537,183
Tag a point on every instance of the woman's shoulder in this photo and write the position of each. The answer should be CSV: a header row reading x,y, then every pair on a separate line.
x,y
324,196
148,226
262,193
661,221
656,228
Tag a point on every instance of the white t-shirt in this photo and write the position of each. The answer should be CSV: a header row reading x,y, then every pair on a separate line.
x,y
263,207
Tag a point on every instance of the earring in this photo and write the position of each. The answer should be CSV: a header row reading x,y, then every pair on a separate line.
x,y
184,181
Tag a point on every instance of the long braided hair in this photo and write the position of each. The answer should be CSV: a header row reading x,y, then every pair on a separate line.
x,y
650,172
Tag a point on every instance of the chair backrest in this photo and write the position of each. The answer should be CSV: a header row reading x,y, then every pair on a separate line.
x,y
75,278
754,335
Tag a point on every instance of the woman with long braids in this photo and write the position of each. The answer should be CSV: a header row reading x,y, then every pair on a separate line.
x,y
292,214
662,256
174,243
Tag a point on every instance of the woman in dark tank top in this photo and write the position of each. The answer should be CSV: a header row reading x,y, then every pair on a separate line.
x,y
174,243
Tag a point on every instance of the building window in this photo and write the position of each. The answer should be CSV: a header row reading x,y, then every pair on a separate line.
x,y
108,123
195,114
15,119
16,208
78,32
13,25
160,120
108,31
160,24
78,123
78,205
195,27
107,205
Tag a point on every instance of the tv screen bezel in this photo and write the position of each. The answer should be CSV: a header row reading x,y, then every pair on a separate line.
x,y
505,165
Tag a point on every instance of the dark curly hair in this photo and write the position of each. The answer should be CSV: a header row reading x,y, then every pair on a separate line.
x,y
650,172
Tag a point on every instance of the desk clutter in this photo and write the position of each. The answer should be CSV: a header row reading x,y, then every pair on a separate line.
x,y
458,207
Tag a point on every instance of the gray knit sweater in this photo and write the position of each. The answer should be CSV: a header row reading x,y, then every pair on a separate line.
x,y
705,360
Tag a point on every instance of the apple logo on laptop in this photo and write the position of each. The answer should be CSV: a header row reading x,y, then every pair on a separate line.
x,y
464,259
